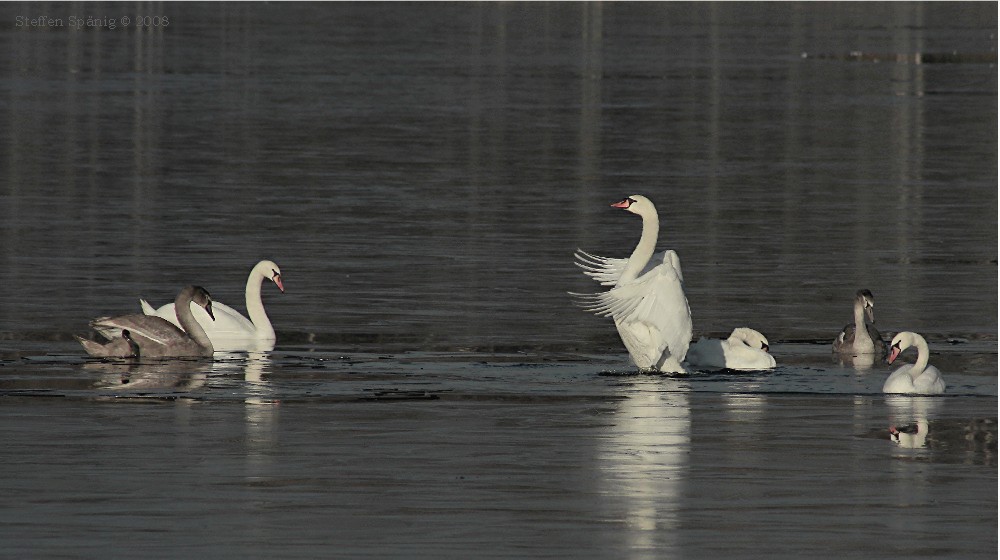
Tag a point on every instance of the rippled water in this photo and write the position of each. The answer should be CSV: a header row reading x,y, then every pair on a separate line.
x,y
422,174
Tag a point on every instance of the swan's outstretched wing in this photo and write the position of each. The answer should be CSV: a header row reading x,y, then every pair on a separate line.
x,y
604,270
607,270
656,299
156,329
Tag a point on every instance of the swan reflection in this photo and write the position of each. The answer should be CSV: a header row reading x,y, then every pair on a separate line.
x,y
134,376
643,458
859,362
908,424
260,414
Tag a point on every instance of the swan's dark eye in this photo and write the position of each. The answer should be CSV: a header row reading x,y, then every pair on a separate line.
x,y
630,200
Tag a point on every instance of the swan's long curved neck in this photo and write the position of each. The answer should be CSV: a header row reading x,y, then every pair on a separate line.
x,y
182,307
644,250
923,357
860,330
255,307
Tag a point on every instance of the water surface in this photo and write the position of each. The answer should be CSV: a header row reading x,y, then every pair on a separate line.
x,y
422,173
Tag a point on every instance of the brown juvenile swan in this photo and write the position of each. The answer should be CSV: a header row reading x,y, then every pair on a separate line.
x,y
861,337
153,336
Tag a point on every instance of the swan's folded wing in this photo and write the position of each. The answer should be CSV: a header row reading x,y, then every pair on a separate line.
x,y
656,298
227,320
156,329
671,259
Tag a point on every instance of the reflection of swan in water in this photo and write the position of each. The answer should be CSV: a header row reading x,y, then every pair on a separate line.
x,y
642,461
135,376
908,424
910,437
861,361
259,389
260,415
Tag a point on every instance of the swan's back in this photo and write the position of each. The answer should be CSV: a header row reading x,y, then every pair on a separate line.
x,y
156,337
728,354
929,382
228,322
155,329
844,343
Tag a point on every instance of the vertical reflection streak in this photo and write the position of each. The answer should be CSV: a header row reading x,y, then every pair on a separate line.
x,y
643,460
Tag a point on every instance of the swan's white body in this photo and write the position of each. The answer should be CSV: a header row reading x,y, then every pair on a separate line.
x,y
744,349
918,377
647,301
861,338
231,330
141,336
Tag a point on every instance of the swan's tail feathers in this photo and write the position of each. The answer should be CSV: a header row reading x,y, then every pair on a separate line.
x,y
92,348
106,331
146,308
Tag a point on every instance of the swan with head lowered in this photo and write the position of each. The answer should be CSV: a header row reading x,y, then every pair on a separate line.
x,y
231,330
918,377
647,300
745,349
861,338
134,336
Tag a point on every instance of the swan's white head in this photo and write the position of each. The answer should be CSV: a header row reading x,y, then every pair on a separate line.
x,y
751,338
901,342
636,204
270,271
866,300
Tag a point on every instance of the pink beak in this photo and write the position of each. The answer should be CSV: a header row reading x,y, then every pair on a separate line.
x,y
277,280
623,204
894,354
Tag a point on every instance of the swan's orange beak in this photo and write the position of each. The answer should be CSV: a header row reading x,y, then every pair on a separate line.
x,y
623,203
277,281
894,354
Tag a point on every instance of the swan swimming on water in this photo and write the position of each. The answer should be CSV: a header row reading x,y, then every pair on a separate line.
x,y
744,349
918,377
647,300
861,337
135,335
231,330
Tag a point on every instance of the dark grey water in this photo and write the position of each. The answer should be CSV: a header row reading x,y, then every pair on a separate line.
x,y
422,173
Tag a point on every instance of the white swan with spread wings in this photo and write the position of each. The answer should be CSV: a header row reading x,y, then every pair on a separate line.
x,y
647,300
